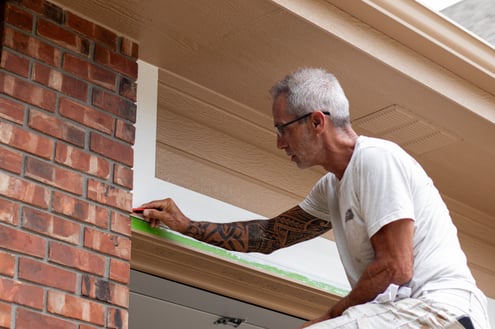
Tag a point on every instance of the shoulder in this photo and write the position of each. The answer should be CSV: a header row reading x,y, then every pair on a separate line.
x,y
369,149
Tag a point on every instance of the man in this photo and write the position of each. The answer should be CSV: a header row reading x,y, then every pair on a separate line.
x,y
394,234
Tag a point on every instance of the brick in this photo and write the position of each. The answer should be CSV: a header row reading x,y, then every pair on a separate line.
x,y
18,17
22,242
129,48
35,5
25,140
86,115
105,291
25,191
61,82
52,226
109,195
120,270
125,131
53,12
89,72
115,61
27,92
121,223
79,209
11,110
32,47
92,30
5,318
85,326
63,37
47,274
8,264
123,176
10,160
128,88
21,293
107,243
117,318
75,307
54,175
56,127
15,64
28,319
114,104
9,212
111,148
77,258
85,162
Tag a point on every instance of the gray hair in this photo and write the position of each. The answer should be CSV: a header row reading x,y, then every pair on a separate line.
x,y
314,89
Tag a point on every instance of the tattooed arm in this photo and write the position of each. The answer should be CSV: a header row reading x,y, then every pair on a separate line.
x,y
265,236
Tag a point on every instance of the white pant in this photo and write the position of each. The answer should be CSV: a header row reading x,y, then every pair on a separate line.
x,y
435,309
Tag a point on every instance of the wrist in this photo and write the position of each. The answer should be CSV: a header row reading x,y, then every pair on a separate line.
x,y
338,308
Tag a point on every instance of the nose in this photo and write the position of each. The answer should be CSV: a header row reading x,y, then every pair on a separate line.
x,y
281,144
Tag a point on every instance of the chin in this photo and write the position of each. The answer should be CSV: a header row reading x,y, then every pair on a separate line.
x,y
302,165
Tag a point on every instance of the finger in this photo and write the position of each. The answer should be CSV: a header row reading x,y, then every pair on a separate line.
x,y
158,204
154,223
152,213
151,204
146,213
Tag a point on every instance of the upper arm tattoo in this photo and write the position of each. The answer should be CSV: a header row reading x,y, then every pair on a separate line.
x,y
265,236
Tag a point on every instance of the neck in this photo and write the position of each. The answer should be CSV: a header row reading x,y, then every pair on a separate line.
x,y
339,149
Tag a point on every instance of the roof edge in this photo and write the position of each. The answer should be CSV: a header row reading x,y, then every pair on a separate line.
x,y
430,34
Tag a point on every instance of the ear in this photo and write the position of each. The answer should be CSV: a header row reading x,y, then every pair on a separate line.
x,y
318,121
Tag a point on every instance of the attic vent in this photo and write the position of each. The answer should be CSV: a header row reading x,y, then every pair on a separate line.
x,y
403,127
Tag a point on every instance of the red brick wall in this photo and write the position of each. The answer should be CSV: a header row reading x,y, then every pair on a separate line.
x,y
67,114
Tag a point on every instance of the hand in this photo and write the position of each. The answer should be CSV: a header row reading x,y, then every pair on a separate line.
x,y
334,312
165,211
319,319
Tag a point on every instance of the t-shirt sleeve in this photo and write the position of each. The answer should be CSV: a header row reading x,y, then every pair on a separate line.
x,y
316,202
384,187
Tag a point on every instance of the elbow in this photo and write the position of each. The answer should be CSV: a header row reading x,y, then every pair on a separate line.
x,y
401,274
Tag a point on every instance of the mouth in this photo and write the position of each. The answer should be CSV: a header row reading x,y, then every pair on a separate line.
x,y
291,155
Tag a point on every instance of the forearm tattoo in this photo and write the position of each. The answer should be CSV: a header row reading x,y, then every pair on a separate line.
x,y
265,236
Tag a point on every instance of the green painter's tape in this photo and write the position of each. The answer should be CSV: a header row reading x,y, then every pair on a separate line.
x,y
142,226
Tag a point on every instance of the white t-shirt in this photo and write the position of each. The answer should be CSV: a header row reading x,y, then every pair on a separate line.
x,y
381,184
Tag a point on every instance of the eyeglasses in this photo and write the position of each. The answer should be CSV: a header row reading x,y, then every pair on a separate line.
x,y
280,129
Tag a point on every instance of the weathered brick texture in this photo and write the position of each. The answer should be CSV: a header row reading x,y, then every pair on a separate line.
x,y
8,264
75,307
5,312
77,258
47,274
11,110
15,64
67,115
29,319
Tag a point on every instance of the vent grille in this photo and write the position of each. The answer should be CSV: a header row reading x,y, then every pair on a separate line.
x,y
406,129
